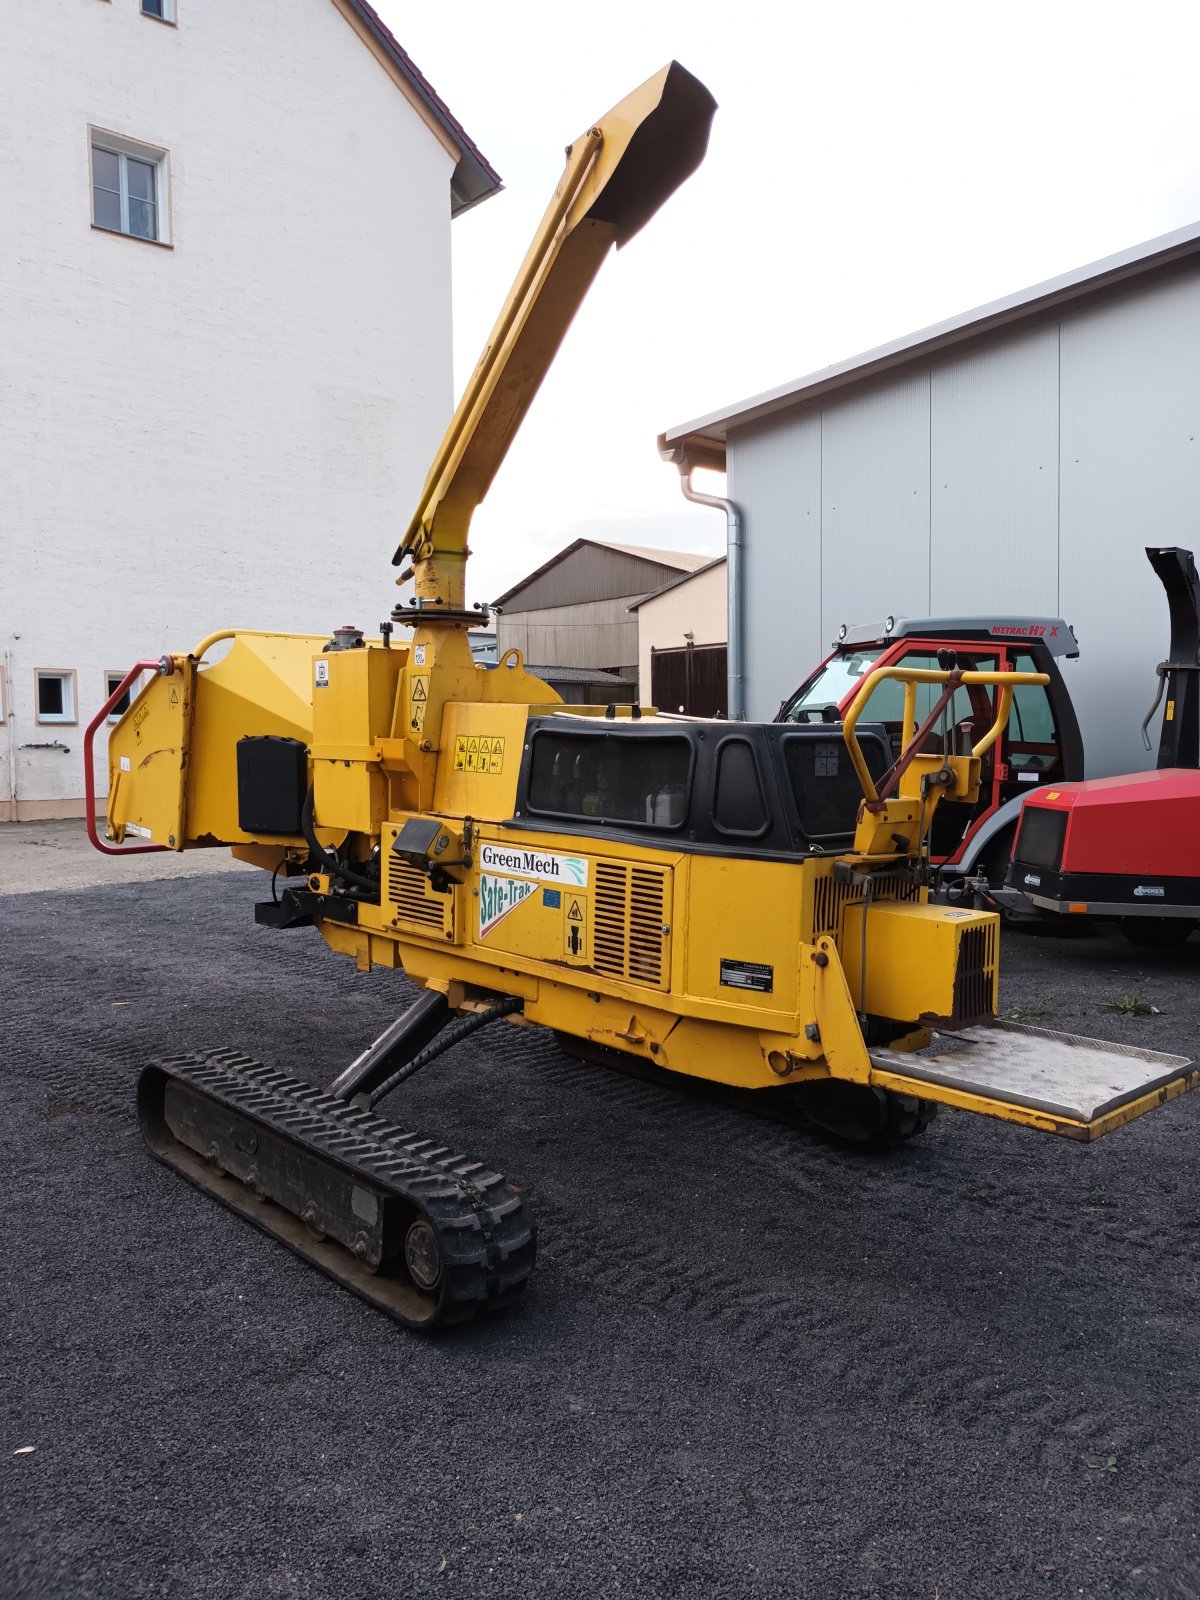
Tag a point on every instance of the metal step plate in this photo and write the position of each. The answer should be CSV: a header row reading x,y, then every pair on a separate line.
x,y
1059,1082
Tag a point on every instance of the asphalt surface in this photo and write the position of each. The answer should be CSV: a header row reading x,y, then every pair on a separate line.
x,y
748,1364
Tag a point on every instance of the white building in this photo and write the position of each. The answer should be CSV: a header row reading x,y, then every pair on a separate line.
x,y
225,338
1015,459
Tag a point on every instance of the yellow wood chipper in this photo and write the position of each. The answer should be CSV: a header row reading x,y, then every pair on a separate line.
x,y
741,905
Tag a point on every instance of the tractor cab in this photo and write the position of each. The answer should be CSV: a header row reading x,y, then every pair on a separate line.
x,y
1041,745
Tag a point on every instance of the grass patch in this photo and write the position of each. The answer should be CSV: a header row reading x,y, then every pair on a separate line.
x,y
1030,1011
1131,1005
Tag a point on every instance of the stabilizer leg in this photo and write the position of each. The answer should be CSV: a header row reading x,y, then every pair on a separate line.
x,y
396,1045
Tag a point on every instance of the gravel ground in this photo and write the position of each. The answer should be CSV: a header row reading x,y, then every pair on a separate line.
x,y
748,1365
58,855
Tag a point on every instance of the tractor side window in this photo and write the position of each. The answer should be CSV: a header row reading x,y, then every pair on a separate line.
x,y
1032,739
738,804
968,705
611,778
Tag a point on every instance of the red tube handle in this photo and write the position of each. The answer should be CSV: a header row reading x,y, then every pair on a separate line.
x,y
165,666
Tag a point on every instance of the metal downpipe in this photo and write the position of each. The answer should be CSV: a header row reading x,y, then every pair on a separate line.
x,y
735,580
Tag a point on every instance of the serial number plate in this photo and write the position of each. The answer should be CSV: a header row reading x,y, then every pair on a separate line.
x,y
747,975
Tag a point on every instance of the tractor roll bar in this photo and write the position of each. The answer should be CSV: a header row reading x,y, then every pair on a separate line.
x,y
914,737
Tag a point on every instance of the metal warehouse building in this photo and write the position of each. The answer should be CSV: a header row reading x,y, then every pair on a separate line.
x,y
1014,459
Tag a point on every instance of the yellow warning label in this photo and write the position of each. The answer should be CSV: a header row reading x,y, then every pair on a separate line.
x,y
575,927
1170,717
174,697
478,752
418,699
418,690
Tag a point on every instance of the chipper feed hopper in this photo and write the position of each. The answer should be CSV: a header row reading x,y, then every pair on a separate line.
x,y
736,904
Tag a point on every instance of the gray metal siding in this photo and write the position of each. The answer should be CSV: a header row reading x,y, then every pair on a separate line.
x,y
1027,472
994,476
776,469
602,634
875,480
1131,477
591,574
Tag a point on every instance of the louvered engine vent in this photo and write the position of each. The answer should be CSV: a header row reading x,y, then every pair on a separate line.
x,y
413,901
830,899
628,939
975,978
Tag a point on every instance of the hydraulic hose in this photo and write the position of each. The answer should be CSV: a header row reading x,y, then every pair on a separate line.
x,y
331,864
461,1028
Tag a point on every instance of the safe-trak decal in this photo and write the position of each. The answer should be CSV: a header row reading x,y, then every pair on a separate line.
x,y
499,896
521,863
478,752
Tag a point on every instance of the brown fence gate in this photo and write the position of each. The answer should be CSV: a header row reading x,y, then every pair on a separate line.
x,y
692,680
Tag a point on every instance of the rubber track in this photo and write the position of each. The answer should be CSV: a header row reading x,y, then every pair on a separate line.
x,y
487,1239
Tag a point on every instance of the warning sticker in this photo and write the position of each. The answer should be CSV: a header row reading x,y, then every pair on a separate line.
x,y
174,697
575,928
499,896
478,752
747,975
321,673
418,698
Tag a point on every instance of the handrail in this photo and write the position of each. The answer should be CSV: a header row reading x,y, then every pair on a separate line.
x,y
210,639
163,665
910,677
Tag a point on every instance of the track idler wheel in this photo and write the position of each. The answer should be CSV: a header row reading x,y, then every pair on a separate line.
x,y
861,1116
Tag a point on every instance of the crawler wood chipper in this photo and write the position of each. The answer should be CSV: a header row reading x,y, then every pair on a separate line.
x,y
737,904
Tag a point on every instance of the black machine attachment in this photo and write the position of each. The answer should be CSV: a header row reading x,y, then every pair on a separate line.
x,y
1179,674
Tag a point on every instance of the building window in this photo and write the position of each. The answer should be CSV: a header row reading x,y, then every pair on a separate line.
x,y
55,696
112,682
160,10
129,188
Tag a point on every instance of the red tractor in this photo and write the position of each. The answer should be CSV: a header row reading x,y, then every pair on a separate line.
x,y
1128,847
1041,747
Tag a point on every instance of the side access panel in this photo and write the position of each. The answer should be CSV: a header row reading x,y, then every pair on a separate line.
x,y
1057,1082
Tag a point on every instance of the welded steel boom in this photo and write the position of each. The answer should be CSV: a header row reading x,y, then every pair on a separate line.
x,y
617,175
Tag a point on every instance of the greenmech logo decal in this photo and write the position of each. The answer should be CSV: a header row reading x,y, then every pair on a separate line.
x,y
544,864
499,896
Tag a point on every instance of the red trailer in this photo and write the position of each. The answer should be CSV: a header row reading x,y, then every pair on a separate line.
x,y
1128,847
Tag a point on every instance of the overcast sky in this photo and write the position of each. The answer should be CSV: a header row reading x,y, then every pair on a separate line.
x,y
873,168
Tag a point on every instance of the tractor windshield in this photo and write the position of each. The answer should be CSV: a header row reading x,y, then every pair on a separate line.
x,y
840,676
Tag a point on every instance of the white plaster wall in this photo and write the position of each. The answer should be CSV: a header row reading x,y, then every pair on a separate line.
x,y
698,606
230,432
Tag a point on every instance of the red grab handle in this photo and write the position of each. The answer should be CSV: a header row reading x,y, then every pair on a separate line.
x,y
166,667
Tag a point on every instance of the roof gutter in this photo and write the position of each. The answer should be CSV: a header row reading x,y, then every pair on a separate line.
x,y
735,573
